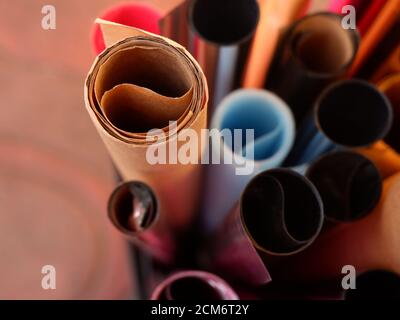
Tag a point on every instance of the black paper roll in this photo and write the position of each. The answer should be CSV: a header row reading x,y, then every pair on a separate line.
x,y
350,185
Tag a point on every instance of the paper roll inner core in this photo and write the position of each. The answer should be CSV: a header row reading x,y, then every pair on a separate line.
x,y
137,93
322,45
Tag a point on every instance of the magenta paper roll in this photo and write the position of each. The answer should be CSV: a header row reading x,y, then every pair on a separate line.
x,y
194,285
280,214
138,15
133,209
336,6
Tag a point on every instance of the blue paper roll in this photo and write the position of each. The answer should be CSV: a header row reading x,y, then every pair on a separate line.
x,y
348,114
274,133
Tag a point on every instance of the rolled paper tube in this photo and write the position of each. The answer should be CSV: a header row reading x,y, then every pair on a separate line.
x,y
275,17
371,243
138,15
370,15
384,157
348,114
315,52
383,22
391,87
195,286
279,214
143,81
175,24
391,65
221,33
350,185
134,210
375,285
274,130
381,53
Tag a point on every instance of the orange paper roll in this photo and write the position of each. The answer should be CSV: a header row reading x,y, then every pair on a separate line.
x,y
391,65
384,157
385,20
275,16
368,244
385,153
391,87
371,13
139,83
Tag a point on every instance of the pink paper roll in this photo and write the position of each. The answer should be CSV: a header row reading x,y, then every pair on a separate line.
x,y
336,6
138,15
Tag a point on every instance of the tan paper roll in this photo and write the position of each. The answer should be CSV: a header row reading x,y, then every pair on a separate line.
x,y
141,82
276,15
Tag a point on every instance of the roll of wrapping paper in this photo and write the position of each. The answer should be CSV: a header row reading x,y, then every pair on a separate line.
x,y
313,53
371,243
382,52
140,82
391,65
275,16
138,15
194,286
390,86
370,15
220,36
350,185
274,132
375,285
175,24
134,210
351,114
387,17
279,214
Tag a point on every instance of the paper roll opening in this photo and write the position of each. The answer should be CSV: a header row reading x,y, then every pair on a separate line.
x,y
263,112
132,87
262,118
193,285
376,285
350,185
132,208
224,22
192,288
321,45
354,113
282,211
